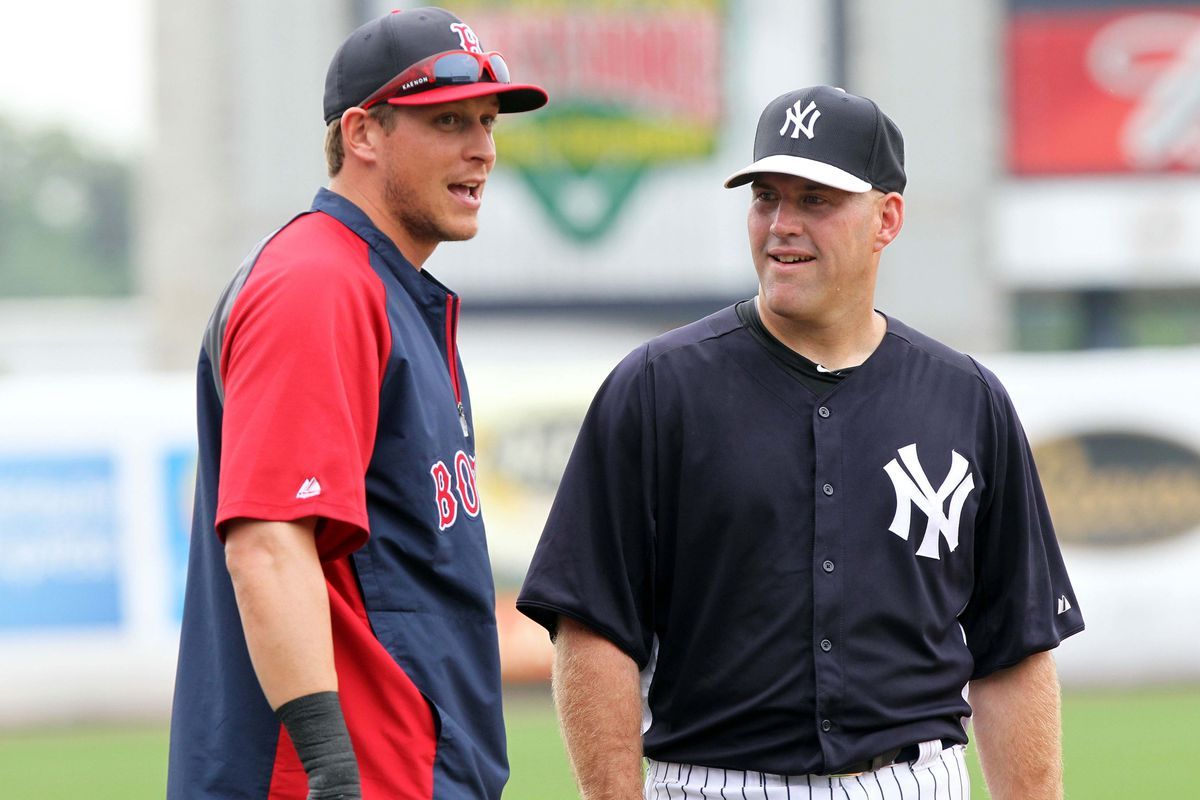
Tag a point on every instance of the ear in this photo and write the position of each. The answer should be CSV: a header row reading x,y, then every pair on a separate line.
x,y
359,135
891,219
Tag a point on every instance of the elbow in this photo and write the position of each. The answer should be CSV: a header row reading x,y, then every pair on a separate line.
x,y
247,556
254,548
274,551
257,548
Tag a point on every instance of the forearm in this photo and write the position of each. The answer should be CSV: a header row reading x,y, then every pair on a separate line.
x,y
1018,730
284,605
598,696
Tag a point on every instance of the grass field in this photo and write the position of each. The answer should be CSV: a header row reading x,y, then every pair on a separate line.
x,y
1129,745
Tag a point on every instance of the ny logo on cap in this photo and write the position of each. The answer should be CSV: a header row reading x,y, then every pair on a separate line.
x,y
796,118
467,37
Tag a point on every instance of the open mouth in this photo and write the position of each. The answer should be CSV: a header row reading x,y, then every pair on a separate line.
x,y
793,259
470,191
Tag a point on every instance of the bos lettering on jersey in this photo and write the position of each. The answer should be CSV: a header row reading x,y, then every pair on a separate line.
x,y
464,493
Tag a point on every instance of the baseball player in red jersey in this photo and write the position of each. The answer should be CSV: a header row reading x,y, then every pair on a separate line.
x,y
800,544
339,631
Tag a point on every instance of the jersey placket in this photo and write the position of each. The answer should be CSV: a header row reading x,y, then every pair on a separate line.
x,y
453,304
827,570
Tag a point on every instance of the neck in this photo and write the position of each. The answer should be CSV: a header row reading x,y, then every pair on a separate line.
x,y
373,205
834,344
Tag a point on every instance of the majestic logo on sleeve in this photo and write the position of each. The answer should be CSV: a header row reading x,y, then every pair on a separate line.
x,y
454,489
914,489
310,488
796,118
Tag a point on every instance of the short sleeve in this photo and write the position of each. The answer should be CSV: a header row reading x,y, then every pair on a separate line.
x,y
595,559
1022,602
302,360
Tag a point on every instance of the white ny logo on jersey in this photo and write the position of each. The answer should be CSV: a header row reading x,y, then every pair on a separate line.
x,y
918,491
796,118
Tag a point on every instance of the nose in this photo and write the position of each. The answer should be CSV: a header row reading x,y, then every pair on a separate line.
x,y
482,146
788,221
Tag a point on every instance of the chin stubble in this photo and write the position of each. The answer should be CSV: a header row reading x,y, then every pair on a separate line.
x,y
420,224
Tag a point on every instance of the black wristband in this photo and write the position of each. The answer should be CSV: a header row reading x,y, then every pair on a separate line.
x,y
318,732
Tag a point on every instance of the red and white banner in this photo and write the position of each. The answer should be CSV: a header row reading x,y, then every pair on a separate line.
x,y
1108,91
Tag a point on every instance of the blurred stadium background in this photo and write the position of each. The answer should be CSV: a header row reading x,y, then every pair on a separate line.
x,y
1054,167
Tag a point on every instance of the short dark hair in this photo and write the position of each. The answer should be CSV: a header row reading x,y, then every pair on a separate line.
x,y
335,151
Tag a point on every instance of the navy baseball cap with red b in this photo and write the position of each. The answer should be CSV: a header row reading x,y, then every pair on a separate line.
x,y
831,137
420,56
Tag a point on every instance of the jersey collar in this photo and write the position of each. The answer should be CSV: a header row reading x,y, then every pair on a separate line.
x,y
419,282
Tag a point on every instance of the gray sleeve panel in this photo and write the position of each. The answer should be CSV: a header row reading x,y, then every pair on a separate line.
x,y
214,334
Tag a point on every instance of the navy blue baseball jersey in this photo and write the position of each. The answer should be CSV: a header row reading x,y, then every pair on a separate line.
x,y
329,386
807,580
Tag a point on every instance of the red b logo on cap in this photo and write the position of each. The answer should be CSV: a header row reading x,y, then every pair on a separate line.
x,y
466,37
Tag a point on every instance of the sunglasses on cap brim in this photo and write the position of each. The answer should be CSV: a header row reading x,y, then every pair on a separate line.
x,y
451,68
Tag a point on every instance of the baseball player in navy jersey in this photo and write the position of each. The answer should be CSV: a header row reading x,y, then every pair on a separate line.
x,y
339,633
799,546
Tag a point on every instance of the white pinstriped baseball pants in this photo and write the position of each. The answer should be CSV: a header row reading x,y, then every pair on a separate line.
x,y
940,776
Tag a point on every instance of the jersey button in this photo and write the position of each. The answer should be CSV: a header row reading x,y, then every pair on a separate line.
x,y
827,566
823,412
826,725
827,489
826,645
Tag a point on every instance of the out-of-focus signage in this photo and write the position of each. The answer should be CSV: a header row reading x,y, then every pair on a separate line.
x,y
1119,488
632,86
179,480
1098,89
58,542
